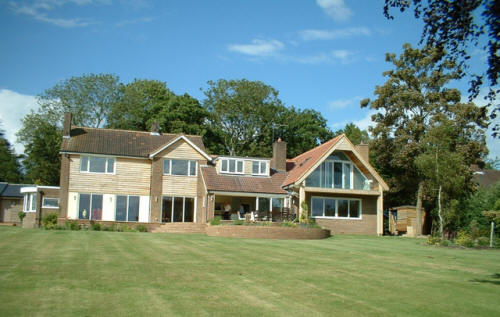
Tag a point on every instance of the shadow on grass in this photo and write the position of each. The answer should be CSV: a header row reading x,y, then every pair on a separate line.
x,y
491,281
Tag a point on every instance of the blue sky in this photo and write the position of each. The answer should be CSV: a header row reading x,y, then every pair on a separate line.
x,y
325,54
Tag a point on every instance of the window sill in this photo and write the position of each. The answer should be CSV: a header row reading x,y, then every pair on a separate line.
x,y
50,207
180,175
97,173
336,218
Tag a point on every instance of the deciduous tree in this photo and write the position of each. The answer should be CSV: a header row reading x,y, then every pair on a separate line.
x,y
10,170
413,97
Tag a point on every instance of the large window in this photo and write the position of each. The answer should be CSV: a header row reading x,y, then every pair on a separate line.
x,y
326,207
29,203
259,167
179,167
177,209
127,208
50,202
90,206
97,164
337,171
231,166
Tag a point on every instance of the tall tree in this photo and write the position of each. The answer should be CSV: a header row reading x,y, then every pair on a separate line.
x,y
355,134
89,97
302,129
42,163
242,113
10,170
459,27
139,105
414,96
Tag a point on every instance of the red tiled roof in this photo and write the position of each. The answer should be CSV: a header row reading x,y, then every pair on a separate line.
x,y
306,160
486,178
119,142
246,184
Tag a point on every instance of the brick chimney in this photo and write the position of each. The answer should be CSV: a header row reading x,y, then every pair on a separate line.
x,y
364,150
155,128
279,156
67,125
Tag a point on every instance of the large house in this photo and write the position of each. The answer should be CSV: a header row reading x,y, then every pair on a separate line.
x,y
160,179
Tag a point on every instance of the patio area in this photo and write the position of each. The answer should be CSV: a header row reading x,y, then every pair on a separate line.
x,y
249,207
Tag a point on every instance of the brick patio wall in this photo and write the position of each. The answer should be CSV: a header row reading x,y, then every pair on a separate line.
x,y
257,232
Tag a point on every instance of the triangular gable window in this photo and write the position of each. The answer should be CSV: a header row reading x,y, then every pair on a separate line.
x,y
337,171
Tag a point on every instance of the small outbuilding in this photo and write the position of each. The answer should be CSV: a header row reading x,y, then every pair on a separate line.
x,y
403,220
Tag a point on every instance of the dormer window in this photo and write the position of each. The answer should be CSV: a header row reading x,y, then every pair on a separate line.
x,y
234,166
259,168
97,164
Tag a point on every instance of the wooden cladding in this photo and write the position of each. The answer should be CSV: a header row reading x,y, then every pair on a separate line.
x,y
132,176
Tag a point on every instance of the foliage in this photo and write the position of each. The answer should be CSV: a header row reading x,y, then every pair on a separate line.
x,y
9,161
492,164
71,225
238,222
141,228
42,162
21,215
49,221
291,224
111,227
95,226
246,117
242,113
125,228
464,239
416,110
216,221
355,134
304,216
88,97
460,27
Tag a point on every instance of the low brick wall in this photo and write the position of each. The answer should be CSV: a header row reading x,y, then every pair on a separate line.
x,y
260,232
29,220
149,225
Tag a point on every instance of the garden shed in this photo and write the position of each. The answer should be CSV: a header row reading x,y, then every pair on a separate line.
x,y
403,220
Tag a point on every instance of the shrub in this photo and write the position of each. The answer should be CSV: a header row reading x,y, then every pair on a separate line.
x,y
125,228
445,243
464,239
290,224
141,228
216,221
483,242
58,227
49,221
111,227
96,226
304,217
434,240
71,225
238,222
21,215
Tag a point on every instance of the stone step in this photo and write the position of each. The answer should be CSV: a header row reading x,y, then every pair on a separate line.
x,y
180,228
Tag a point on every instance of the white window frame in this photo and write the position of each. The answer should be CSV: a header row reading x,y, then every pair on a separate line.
x,y
87,171
337,208
190,162
28,202
50,207
260,172
90,205
235,166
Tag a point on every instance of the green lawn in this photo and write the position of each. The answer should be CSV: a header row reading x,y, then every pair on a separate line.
x,y
53,273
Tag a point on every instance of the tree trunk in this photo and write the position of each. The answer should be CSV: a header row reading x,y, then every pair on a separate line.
x,y
492,234
420,195
441,233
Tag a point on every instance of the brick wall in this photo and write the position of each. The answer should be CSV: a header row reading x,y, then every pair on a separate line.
x,y
257,232
9,209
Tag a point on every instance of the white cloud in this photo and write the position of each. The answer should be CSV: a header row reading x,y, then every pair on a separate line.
x,y
258,47
332,57
313,34
40,9
13,107
343,103
336,9
363,123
